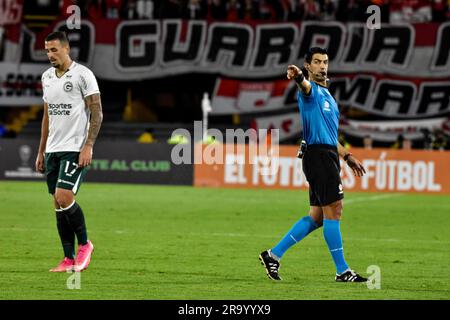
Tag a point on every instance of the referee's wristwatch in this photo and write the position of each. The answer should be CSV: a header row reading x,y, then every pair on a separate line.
x,y
346,156
299,78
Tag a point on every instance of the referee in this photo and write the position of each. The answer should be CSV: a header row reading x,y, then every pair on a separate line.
x,y
320,117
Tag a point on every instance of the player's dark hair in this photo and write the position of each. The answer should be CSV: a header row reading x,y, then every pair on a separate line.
x,y
312,51
58,35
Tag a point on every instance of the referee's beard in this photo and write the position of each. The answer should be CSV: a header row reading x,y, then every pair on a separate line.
x,y
320,77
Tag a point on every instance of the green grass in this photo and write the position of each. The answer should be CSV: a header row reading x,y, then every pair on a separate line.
x,y
154,242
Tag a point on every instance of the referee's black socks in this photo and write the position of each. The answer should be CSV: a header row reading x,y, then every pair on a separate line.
x,y
75,217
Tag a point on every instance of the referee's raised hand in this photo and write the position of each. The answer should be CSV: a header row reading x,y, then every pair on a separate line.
x,y
293,72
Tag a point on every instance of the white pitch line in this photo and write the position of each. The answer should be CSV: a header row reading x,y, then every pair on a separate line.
x,y
243,235
373,198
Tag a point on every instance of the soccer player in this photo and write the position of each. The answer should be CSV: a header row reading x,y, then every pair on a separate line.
x,y
70,125
320,118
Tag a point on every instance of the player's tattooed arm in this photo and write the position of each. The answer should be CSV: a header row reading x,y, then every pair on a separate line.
x,y
294,72
40,167
94,104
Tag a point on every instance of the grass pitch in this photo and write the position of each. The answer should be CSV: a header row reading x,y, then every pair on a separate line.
x,y
158,242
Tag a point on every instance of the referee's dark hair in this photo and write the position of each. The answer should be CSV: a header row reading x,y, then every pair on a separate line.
x,y
58,35
312,51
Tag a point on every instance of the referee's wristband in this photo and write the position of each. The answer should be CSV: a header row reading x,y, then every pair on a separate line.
x,y
299,79
346,156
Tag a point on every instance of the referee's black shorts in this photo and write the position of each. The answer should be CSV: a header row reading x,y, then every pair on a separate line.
x,y
322,170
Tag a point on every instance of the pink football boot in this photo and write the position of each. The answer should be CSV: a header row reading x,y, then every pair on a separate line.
x,y
64,266
83,256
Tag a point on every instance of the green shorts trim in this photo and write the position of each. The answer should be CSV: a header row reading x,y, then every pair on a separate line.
x,y
62,171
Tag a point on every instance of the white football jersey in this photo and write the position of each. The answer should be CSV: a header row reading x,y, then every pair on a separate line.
x,y
68,114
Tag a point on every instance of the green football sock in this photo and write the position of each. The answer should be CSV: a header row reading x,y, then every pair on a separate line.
x,y
66,234
76,220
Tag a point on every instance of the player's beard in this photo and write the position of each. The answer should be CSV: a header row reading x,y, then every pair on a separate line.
x,y
55,64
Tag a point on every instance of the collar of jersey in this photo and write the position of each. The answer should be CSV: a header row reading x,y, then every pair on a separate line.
x,y
319,84
65,72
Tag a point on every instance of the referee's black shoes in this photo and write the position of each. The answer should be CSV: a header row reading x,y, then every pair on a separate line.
x,y
350,276
270,264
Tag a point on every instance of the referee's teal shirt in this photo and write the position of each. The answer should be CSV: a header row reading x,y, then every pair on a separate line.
x,y
319,115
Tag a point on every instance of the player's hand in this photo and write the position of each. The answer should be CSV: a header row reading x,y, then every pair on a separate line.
x,y
40,166
356,166
293,72
85,157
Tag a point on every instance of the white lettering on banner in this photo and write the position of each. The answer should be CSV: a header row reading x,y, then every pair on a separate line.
x,y
256,172
431,185
349,180
380,177
382,174
404,175
11,12
285,173
265,166
161,46
255,175
20,84
420,176
399,175
288,172
269,179
414,77
234,169
391,165
367,164
298,178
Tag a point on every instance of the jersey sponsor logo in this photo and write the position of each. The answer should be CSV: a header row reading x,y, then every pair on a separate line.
x,y
68,86
59,109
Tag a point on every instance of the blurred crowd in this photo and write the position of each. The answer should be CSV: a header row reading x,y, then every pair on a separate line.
x,y
435,139
393,11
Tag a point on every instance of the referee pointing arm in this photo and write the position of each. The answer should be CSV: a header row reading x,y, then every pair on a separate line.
x,y
320,118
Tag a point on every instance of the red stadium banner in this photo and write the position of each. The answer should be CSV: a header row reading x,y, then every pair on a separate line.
x,y
21,84
398,71
234,96
387,171
10,12
289,124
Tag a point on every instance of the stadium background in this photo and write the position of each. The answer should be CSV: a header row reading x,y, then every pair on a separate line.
x,y
155,60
